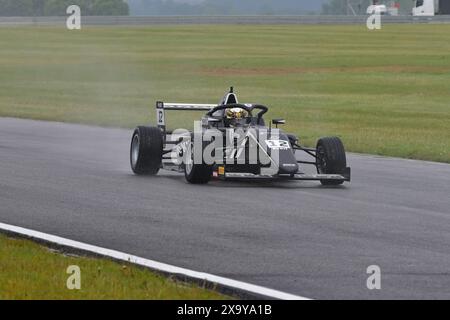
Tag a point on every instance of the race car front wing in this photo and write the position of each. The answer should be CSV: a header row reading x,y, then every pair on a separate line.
x,y
345,176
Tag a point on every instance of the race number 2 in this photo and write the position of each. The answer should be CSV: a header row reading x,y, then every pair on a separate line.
x,y
160,117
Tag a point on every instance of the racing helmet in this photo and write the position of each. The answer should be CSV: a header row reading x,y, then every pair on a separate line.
x,y
236,116
236,113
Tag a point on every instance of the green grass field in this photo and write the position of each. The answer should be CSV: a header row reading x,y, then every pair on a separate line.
x,y
385,92
29,271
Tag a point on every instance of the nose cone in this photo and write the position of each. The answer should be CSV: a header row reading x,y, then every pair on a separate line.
x,y
288,168
287,162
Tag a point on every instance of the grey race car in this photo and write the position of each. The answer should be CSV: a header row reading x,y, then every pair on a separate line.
x,y
233,142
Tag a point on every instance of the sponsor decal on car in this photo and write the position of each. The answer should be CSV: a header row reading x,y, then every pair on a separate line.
x,y
278,144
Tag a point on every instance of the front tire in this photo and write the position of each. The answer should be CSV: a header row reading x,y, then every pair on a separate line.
x,y
331,159
146,151
196,173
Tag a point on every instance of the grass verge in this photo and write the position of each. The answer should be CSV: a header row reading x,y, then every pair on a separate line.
x,y
385,92
30,271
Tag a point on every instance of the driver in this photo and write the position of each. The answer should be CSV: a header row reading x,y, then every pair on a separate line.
x,y
236,116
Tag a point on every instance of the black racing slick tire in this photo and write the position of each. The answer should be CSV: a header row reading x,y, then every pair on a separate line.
x,y
196,173
331,158
146,150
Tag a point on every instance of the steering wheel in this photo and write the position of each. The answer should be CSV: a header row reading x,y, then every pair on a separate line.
x,y
247,108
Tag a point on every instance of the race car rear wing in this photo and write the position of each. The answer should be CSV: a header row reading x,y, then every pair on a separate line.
x,y
161,107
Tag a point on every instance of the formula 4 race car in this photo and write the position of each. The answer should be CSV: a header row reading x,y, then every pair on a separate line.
x,y
232,142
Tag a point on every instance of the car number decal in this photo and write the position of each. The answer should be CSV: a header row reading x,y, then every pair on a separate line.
x,y
278,144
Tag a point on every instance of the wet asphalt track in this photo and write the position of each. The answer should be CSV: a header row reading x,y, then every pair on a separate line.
x,y
74,181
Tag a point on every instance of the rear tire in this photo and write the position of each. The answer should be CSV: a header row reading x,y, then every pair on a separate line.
x,y
331,159
146,150
197,173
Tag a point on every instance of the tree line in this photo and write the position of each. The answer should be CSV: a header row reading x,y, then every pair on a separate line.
x,y
259,7
26,8
171,7
220,7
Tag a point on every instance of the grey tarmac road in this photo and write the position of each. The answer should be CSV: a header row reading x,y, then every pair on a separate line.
x,y
74,181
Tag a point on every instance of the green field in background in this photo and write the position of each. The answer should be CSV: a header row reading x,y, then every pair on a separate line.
x,y
29,271
384,92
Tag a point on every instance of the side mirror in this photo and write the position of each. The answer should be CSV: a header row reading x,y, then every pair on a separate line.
x,y
277,122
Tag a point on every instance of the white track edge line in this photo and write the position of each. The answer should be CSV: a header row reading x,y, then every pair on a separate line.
x,y
158,266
